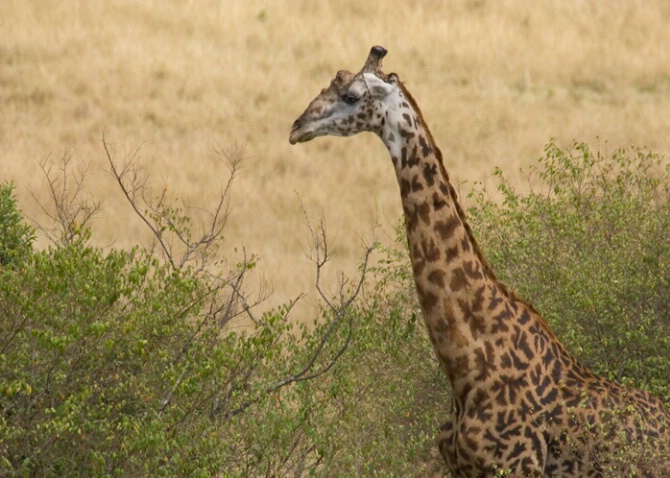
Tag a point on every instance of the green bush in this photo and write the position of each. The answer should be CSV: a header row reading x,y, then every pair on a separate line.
x,y
115,363
16,237
588,246
90,349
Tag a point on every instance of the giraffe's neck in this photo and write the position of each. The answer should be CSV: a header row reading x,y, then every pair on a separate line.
x,y
464,306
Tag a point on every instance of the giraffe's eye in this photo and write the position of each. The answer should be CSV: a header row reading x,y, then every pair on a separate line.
x,y
350,99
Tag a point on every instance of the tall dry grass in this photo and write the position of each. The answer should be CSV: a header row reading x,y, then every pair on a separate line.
x,y
495,80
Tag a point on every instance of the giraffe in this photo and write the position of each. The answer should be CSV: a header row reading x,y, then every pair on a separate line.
x,y
522,405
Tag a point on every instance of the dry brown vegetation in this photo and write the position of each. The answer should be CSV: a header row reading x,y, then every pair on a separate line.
x,y
495,81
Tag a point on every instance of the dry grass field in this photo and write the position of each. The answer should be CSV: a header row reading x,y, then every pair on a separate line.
x,y
495,79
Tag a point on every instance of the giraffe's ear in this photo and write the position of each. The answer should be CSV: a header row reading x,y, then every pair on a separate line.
x,y
377,87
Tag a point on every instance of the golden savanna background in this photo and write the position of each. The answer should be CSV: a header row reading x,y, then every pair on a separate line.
x,y
495,80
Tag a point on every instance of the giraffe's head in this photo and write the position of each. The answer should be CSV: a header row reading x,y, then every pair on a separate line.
x,y
350,105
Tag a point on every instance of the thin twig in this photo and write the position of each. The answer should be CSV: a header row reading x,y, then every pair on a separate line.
x,y
341,311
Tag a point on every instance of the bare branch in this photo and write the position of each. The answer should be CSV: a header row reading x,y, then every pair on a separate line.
x,y
319,256
70,212
131,187
168,221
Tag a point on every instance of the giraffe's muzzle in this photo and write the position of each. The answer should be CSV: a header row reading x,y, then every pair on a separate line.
x,y
299,135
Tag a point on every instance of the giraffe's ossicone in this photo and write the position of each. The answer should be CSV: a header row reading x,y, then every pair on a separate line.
x,y
522,405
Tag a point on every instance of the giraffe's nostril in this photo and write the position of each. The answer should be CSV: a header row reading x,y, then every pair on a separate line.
x,y
296,125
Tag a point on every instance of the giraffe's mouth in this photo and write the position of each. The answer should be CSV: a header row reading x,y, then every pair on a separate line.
x,y
300,136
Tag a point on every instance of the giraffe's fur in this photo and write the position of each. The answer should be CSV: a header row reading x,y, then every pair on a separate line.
x,y
522,403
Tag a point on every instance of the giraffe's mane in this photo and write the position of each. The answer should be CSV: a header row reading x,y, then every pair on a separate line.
x,y
488,270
